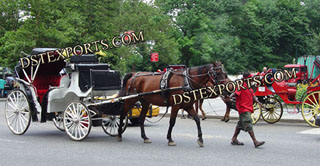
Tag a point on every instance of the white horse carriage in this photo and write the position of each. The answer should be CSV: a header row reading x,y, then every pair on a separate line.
x,y
64,93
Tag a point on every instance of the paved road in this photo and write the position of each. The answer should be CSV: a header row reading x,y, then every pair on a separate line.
x,y
216,108
287,144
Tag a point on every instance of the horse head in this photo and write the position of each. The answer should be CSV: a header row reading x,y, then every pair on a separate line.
x,y
218,75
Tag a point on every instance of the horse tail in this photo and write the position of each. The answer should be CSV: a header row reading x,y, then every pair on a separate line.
x,y
124,84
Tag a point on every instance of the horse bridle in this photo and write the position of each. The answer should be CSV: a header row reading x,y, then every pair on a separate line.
x,y
211,73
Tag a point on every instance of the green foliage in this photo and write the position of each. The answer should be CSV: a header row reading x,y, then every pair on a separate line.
x,y
243,34
301,89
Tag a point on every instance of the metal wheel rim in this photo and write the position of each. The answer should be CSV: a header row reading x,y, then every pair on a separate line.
x,y
58,121
272,111
17,112
111,123
77,121
255,116
311,110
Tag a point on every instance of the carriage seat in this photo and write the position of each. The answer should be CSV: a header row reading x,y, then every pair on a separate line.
x,y
292,94
88,67
43,82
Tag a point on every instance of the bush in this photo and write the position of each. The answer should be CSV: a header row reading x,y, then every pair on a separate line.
x,y
301,89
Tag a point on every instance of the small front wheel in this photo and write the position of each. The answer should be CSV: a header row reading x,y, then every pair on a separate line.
x,y
77,121
255,116
272,111
111,124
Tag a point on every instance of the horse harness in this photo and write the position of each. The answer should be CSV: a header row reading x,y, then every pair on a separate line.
x,y
166,76
164,81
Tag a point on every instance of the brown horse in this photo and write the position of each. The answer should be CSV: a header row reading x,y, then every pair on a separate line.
x,y
146,82
223,79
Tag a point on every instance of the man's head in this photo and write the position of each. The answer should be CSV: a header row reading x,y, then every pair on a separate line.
x,y
265,69
247,74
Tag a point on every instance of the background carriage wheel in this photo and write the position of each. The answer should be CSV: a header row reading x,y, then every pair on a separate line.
x,y
17,112
272,110
310,108
111,123
77,121
255,116
58,121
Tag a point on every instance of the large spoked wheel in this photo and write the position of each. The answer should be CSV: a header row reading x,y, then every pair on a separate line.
x,y
272,110
111,124
310,108
255,116
17,112
77,121
58,121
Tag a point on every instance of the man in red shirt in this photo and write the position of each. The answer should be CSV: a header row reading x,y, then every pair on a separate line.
x,y
244,104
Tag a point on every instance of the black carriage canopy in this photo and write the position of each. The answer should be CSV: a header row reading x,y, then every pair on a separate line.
x,y
49,61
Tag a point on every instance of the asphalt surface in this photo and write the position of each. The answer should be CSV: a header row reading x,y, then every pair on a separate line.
x,y
286,144
215,108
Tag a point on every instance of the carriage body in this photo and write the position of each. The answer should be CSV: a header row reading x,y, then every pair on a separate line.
x,y
309,102
61,92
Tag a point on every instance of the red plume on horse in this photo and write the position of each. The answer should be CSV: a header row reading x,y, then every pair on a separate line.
x,y
189,78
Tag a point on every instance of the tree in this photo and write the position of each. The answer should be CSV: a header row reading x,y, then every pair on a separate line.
x,y
55,24
157,30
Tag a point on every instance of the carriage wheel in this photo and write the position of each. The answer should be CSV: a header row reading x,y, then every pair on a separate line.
x,y
58,121
18,114
77,121
272,110
310,108
255,116
111,123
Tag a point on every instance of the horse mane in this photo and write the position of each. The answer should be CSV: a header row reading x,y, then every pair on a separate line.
x,y
200,68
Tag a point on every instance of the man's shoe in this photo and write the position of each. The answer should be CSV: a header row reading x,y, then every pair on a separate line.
x,y
258,144
236,142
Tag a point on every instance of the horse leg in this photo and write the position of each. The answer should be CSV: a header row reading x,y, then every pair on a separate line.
x,y
143,113
127,105
119,136
202,111
193,113
173,116
227,114
197,106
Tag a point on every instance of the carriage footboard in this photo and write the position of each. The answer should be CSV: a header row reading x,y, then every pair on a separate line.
x,y
115,108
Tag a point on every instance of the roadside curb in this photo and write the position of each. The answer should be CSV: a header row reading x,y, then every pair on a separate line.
x,y
231,118
236,118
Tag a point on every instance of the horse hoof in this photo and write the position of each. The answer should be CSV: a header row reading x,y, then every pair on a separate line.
x,y
147,140
226,120
171,143
223,119
119,138
200,143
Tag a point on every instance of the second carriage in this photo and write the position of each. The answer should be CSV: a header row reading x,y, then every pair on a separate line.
x,y
272,94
